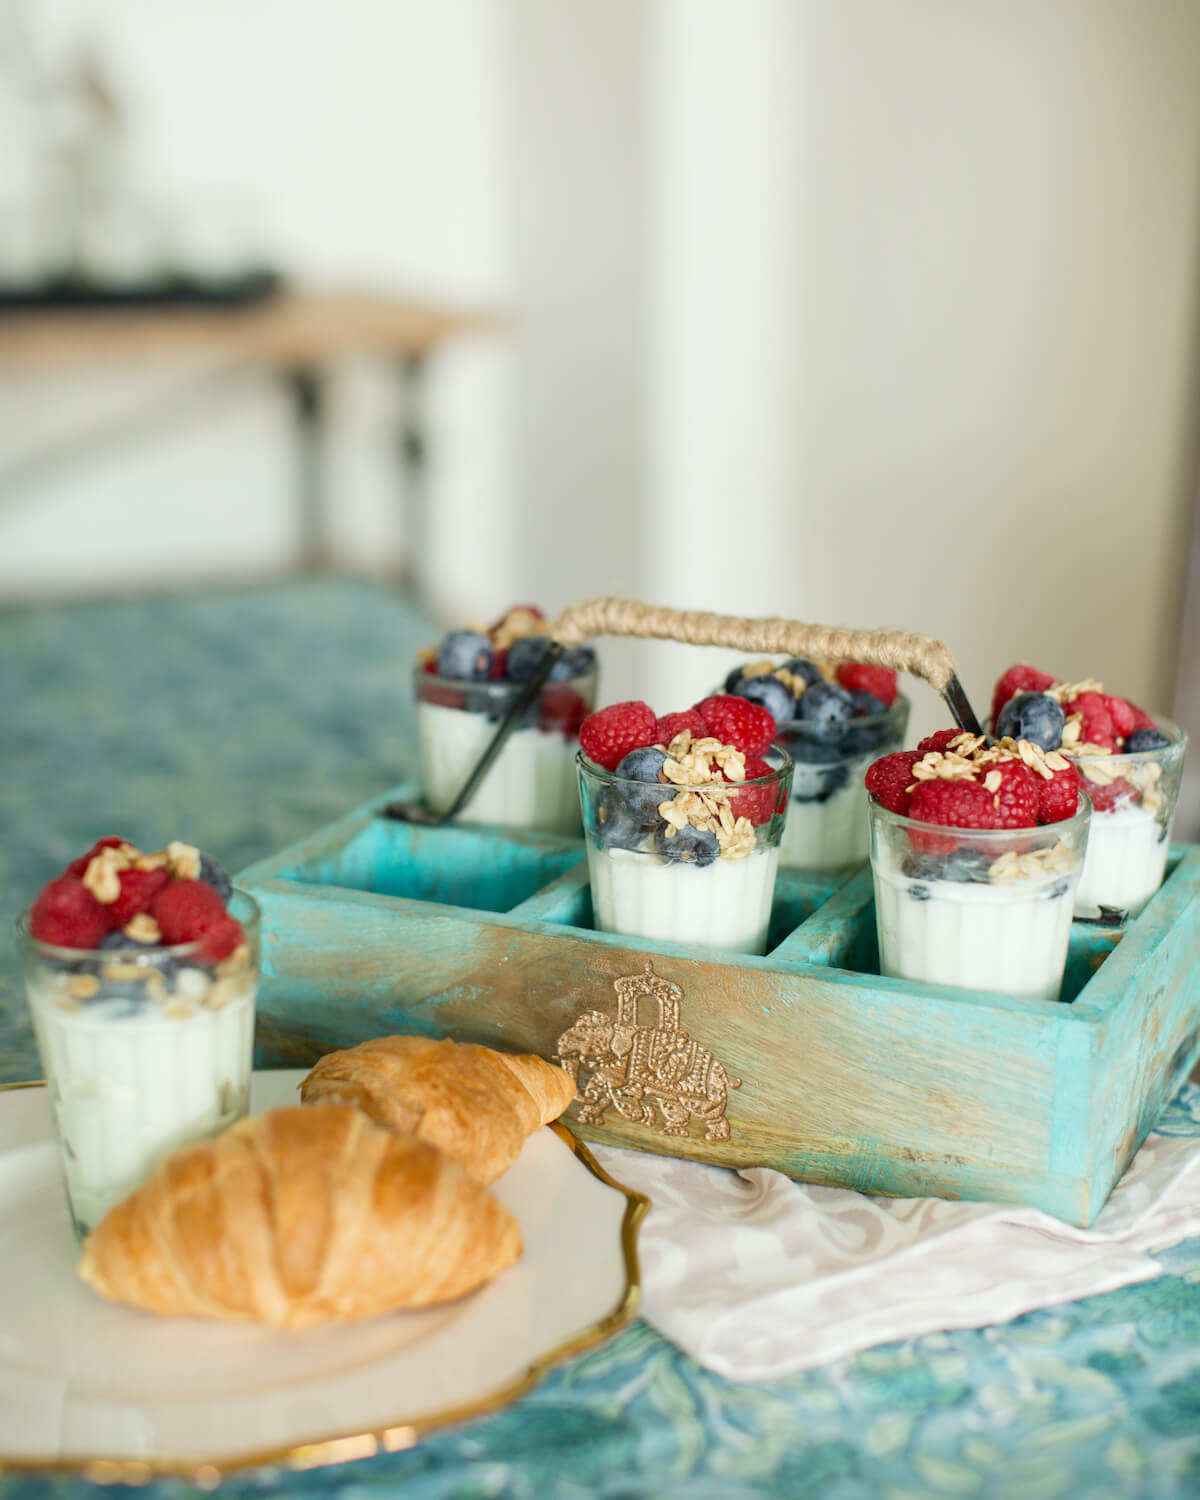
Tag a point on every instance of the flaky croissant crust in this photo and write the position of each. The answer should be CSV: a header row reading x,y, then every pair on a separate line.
x,y
299,1217
477,1105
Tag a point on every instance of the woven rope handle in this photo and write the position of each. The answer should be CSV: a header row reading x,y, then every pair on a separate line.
x,y
906,651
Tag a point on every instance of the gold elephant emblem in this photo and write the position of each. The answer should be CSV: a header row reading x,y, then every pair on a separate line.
x,y
646,1071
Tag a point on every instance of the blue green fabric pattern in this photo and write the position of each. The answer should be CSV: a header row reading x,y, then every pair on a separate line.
x,y
241,720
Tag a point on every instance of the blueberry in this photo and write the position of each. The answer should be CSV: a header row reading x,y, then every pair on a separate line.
x,y
800,666
214,874
578,660
1060,889
114,940
828,708
919,892
769,693
615,825
867,703
962,865
644,765
818,783
693,846
1035,717
1145,739
465,655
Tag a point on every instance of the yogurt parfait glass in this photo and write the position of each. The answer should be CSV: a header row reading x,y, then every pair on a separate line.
x,y
142,1049
976,909
708,886
827,827
1133,798
531,783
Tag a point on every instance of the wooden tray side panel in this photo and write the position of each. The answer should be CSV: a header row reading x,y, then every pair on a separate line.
x,y
822,1074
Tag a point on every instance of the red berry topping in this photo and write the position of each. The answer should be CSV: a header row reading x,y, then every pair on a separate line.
x,y
738,722
68,915
939,741
186,909
79,866
1106,798
758,803
138,890
561,709
863,677
672,724
954,804
608,735
1057,798
889,778
1123,714
1097,728
1141,719
219,940
1019,679
499,662
1015,803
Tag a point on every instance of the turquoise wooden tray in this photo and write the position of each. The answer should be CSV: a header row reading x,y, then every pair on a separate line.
x,y
805,1060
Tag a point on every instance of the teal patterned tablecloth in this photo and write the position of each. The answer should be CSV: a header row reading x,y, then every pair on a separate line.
x,y
242,720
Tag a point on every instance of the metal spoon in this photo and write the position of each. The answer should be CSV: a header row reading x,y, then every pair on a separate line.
x,y
959,705
417,812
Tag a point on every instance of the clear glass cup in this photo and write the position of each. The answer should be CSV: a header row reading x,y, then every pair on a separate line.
x,y
1133,807
977,909
827,827
646,885
143,1050
531,783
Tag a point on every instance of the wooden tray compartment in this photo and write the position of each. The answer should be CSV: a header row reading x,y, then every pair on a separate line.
x,y
805,1060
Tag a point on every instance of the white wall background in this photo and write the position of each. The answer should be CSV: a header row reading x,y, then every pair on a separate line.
x,y
865,313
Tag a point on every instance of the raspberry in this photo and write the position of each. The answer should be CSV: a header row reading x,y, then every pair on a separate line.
x,y
1057,798
1141,719
79,866
939,741
186,909
738,722
954,804
499,662
1106,798
138,890
68,915
758,803
222,938
889,778
863,677
672,724
1097,728
608,735
1123,714
1017,801
1019,679
561,709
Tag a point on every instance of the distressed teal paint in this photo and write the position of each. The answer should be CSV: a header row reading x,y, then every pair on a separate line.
x,y
848,1078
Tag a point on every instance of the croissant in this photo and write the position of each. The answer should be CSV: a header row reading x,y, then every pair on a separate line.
x,y
299,1217
476,1105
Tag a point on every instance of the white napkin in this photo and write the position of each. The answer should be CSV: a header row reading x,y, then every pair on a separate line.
x,y
757,1276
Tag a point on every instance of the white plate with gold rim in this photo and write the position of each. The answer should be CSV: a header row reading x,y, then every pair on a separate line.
x,y
126,1395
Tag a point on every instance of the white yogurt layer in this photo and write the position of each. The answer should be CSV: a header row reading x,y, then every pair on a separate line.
x,y
975,935
532,782
726,904
131,1082
1125,860
829,835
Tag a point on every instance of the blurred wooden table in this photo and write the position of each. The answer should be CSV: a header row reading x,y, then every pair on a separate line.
x,y
292,336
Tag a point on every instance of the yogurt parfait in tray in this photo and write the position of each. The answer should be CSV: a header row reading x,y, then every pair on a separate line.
x,y
141,972
1131,764
465,685
683,817
976,852
834,719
